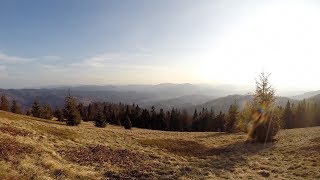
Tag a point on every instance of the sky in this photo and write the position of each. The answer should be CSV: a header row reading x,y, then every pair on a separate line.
x,y
101,42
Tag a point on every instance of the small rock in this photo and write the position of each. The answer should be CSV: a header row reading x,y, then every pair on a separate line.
x,y
264,173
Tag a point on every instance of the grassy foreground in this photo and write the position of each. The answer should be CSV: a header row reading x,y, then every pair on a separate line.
x,y
32,148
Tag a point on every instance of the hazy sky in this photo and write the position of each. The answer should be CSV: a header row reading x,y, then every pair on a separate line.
x,y
130,42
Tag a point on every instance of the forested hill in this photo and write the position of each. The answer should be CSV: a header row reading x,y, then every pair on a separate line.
x,y
165,96
223,103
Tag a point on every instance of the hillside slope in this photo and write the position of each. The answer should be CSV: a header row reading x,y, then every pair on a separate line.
x,y
32,148
223,103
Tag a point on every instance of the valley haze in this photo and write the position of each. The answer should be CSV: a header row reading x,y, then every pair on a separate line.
x,y
166,95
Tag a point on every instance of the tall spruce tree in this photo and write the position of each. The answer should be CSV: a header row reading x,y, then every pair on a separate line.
x,y
100,119
232,118
288,116
58,114
71,112
36,109
15,107
81,110
28,113
127,123
263,127
46,112
4,106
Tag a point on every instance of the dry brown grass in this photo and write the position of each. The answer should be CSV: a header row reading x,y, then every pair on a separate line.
x,y
32,148
14,131
179,147
98,155
11,150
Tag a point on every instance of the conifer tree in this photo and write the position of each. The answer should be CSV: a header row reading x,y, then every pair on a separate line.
x,y
144,119
91,112
232,118
71,112
4,106
263,126
195,115
80,108
220,121
15,108
100,119
36,109
58,114
288,116
46,112
161,120
28,113
127,123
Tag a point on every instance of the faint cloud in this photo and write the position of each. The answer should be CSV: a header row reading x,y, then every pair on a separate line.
x,y
54,58
114,60
100,60
3,72
13,59
52,67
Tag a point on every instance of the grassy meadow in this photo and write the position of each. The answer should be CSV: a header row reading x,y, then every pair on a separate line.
x,y
33,148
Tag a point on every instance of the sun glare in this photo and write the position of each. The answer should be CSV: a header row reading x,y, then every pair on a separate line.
x,y
282,39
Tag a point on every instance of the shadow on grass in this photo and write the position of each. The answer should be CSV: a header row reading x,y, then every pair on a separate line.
x,y
218,159
221,134
228,157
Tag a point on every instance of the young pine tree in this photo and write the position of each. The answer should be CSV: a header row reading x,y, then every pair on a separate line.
x,y
46,112
100,119
28,113
36,109
288,116
58,114
15,108
127,123
263,127
4,106
232,118
71,112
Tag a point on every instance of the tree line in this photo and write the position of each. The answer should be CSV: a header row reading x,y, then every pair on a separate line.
x,y
302,114
103,113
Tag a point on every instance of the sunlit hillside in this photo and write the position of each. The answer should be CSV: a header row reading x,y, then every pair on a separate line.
x,y
32,148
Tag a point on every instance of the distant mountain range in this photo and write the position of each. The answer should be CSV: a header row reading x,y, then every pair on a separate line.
x,y
223,103
306,95
166,96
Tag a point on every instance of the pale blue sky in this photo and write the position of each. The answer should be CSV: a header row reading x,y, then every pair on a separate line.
x,y
46,42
